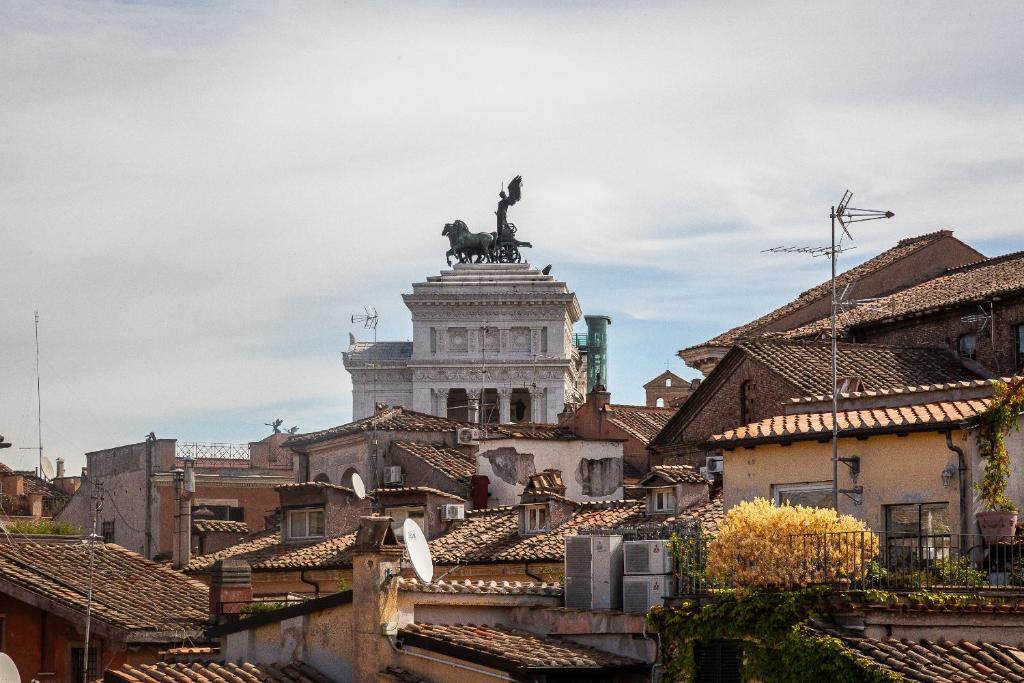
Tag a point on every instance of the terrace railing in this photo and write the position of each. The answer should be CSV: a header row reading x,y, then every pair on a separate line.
x,y
211,451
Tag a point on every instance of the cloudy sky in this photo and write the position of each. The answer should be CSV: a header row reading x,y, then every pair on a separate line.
x,y
196,196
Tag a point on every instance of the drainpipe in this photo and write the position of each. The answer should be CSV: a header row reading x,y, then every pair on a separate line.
x,y
965,491
314,584
526,570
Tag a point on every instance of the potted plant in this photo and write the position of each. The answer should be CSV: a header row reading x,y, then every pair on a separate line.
x,y
999,519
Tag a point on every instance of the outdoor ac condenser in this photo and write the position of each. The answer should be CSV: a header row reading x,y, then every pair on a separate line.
x,y
641,593
593,572
647,557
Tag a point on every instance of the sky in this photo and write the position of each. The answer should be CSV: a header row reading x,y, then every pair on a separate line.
x,y
197,196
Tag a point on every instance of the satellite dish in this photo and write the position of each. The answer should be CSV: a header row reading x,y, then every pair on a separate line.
x,y
46,465
358,486
8,670
419,553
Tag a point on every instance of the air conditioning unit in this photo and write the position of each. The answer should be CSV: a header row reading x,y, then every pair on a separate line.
x,y
393,475
593,572
647,557
453,511
715,464
641,593
467,435
707,475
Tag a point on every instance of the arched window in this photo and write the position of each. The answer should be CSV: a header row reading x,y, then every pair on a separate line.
x,y
748,391
322,478
668,382
968,345
660,403
346,478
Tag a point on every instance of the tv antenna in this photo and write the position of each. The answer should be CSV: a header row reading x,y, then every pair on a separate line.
x,y
39,406
845,215
419,553
369,319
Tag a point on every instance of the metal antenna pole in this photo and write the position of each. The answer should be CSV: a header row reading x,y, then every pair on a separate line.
x,y
835,374
97,506
39,401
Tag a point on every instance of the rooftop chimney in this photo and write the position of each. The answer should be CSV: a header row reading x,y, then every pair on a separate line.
x,y
375,558
60,468
230,587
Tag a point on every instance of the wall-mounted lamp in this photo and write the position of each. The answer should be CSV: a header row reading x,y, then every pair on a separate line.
x,y
947,474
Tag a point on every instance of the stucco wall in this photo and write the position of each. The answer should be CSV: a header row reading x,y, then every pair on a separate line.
x,y
894,470
594,466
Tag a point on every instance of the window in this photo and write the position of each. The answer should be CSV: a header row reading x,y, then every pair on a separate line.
x,y
1018,335
747,391
660,403
968,345
306,523
229,513
662,500
398,517
812,495
108,531
433,340
322,478
536,519
77,655
719,661
916,534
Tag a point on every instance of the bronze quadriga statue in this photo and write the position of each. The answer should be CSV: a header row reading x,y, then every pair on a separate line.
x,y
495,247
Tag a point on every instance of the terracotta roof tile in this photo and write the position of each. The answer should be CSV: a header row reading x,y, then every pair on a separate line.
x,y
164,672
808,364
130,592
452,462
640,422
904,248
529,430
204,526
814,425
973,284
482,587
942,661
265,551
389,419
677,474
516,649
392,490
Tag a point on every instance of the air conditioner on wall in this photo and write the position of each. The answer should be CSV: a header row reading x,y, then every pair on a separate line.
x,y
641,593
393,475
467,435
593,572
647,557
453,511
715,464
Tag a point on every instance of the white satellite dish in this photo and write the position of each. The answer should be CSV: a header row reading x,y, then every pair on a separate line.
x,y
358,486
8,670
46,465
419,553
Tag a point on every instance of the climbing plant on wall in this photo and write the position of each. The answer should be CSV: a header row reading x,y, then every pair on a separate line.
x,y
997,421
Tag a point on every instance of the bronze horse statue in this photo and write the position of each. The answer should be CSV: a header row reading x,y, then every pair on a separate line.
x,y
466,245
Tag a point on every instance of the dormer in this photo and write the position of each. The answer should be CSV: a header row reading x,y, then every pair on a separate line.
x,y
435,511
670,489
543,505
314,511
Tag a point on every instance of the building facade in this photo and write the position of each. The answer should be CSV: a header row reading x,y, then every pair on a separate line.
x,y
491,343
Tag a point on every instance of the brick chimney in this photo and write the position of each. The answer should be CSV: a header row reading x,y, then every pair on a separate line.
x,y
35,505
60,468
375,559
230,588
184,489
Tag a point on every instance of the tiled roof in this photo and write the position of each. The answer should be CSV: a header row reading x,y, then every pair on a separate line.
x,y
677,474
808,365
265,551
163,672
450,461
312,485
908,390
129,591
36,484
4,469
204,526
938,662
482,587
640,422
510,649
389,419
493,535
391,490
904,248
382,352
977,283
806,426
529,430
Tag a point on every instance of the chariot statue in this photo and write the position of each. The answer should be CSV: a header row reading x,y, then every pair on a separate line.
x,y
500,246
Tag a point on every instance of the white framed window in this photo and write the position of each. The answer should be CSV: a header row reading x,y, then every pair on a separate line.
x,y
661,500
308,523
398,516
536,519
813,494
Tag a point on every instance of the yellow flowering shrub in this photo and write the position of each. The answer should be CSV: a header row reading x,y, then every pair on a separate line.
x,y
771,546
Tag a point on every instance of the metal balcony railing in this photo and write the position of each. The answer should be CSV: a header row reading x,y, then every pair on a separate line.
x,y
211,451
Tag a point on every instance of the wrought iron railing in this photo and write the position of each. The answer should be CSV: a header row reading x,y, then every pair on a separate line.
x,y
211,451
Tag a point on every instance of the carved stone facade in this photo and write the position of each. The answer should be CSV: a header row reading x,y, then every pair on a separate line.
x,y
491,342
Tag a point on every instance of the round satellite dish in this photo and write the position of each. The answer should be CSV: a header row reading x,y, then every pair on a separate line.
x,y
419,553
358,486
46,465
8,670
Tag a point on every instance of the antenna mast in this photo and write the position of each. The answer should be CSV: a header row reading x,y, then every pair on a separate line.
x,y
369,319
39,407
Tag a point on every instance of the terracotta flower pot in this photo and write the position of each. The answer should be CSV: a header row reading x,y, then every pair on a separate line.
x,y
997,525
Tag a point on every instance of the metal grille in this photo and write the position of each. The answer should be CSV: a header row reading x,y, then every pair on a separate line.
x,y
212,451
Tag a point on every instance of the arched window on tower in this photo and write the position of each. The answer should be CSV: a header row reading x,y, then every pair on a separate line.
x,y
660,403
748,391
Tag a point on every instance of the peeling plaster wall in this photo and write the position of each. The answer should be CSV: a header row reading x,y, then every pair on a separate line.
x,y
591,470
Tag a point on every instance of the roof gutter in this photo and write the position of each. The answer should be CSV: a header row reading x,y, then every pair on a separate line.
x,y
824,436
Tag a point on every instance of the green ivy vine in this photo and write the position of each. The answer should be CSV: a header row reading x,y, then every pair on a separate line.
x,y
777,648
997,421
